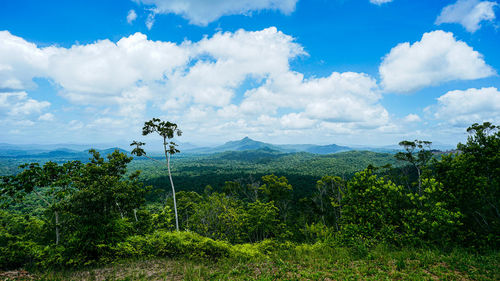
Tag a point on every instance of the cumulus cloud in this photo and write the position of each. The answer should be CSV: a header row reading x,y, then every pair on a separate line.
x,y
438,57
462,108
201,12
105,67
225,60
341,97
468,13
17,104
380,2
203,84
131,16
20,61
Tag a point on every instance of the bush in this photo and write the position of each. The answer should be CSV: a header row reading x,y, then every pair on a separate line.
x,y
172,244
377,209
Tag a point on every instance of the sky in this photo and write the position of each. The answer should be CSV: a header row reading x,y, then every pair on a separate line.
x,y
350,72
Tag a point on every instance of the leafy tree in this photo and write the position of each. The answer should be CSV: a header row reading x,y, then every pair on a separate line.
x,y
328,197
417,154
247,189
167,131
219,217
51,183
262,221
279,191
102,205
428,217
20,238
188,202
371,207
471,180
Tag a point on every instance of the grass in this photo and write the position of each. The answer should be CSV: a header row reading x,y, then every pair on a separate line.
x,y
303,262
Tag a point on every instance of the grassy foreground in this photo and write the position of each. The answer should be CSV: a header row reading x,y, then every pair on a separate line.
x,y
303,262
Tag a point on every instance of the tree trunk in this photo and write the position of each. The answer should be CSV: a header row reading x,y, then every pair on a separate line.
x,y
57,227
119,209
419,183
167,155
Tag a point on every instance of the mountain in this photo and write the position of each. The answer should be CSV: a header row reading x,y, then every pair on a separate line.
x,y
394,148
111,150
250,144
245,144
327,149
11,151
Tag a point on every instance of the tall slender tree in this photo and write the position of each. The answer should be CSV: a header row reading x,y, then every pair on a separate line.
x,y
417,153
167,131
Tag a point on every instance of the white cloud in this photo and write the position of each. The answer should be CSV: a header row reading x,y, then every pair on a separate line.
x,y
435,59
296,121
462,108
202,12
47,117
468,13
17,104
131,16
104,67
75,125
380,2
202,84
339,98
225,60
20,61
410,118
150,21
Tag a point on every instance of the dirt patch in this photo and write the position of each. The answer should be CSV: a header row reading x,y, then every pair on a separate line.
x,y
15,275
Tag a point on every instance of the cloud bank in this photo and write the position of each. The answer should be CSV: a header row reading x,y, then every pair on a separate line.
x,y
232,83
239,82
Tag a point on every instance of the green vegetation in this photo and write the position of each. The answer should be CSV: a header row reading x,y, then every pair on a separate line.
x,y
303,262
436,218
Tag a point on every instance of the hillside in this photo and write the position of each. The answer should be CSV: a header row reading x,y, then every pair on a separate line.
x,y
250,144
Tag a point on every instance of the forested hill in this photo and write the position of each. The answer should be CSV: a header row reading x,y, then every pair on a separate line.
x,y
193,172
302,169
267,161
250,144
244,155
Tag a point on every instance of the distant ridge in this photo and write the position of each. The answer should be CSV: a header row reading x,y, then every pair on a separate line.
x,y
72,151
249,144
58,153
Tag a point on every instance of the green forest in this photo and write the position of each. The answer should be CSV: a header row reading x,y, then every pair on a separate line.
x,y
260,214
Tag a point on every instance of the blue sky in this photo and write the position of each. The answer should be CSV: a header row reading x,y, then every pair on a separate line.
x,y
283,71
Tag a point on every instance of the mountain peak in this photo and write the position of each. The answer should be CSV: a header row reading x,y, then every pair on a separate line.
x,y
246,138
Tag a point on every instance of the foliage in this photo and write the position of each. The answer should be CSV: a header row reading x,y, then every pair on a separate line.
x,y
279,191
471,180
219,217
417,153
318,261
378,209
328,198
171,244
100,211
